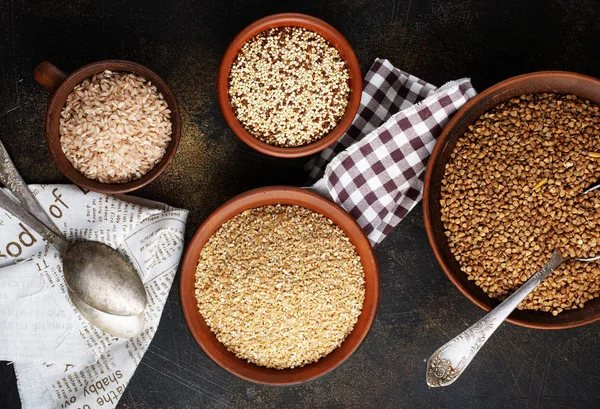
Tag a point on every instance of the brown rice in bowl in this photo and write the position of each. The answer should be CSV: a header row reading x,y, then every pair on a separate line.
x,y
115,127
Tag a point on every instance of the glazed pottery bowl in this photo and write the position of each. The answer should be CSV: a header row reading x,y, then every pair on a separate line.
x,y
61,85
334,38
207,340
549,81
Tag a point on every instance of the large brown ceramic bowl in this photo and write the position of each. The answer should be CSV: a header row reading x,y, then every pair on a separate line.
x,y
549,81
286,20
207,340
61,85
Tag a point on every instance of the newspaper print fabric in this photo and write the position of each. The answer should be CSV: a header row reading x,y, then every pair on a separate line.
x,y
375,171
60,359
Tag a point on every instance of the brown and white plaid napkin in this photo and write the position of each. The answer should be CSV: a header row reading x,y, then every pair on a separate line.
x,y
375,170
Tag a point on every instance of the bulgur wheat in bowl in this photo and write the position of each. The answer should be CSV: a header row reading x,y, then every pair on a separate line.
x,y
279,285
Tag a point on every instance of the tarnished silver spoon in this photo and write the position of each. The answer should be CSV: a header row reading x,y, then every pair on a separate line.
x,y
97,274
450,361
125,326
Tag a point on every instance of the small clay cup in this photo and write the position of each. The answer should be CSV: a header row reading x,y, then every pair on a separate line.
x,y
272,196
61,85
545,81
291,20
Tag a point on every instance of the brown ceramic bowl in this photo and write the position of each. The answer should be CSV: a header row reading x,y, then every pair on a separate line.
x,y
207,340
61,85
548,81
286,20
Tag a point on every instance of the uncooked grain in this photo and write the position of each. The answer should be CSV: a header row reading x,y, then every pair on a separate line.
x,y
280,286
511,195
115,127
288,86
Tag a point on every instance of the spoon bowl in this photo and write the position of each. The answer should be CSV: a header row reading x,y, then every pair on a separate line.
x,y
97,273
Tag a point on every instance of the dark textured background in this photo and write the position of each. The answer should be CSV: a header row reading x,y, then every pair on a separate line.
x,y
437,40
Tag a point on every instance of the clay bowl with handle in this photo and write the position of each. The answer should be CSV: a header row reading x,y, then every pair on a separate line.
x,y
335,38
271,196
61,85
546,81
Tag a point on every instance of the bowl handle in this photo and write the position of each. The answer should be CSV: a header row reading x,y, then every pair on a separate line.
x,y
49,76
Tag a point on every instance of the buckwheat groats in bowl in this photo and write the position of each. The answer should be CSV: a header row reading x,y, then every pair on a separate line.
x,y
115,127
281,286
511,194
288,86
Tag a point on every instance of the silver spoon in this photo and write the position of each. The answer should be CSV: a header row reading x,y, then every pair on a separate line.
x,y
125,326
89,258
450,361
98,275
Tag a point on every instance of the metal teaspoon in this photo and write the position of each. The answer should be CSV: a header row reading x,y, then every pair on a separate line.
x,y
450,361
126,326
97,274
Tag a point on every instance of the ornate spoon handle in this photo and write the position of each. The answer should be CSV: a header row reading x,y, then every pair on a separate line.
x,y
449,362
10,177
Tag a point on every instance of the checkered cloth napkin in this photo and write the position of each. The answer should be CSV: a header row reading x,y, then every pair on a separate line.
x,y
375,170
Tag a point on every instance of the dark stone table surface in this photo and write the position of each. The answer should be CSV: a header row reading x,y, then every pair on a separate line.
x,y
437,40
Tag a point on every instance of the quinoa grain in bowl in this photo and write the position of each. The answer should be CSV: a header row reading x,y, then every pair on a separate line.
x,y
288,86
115,127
